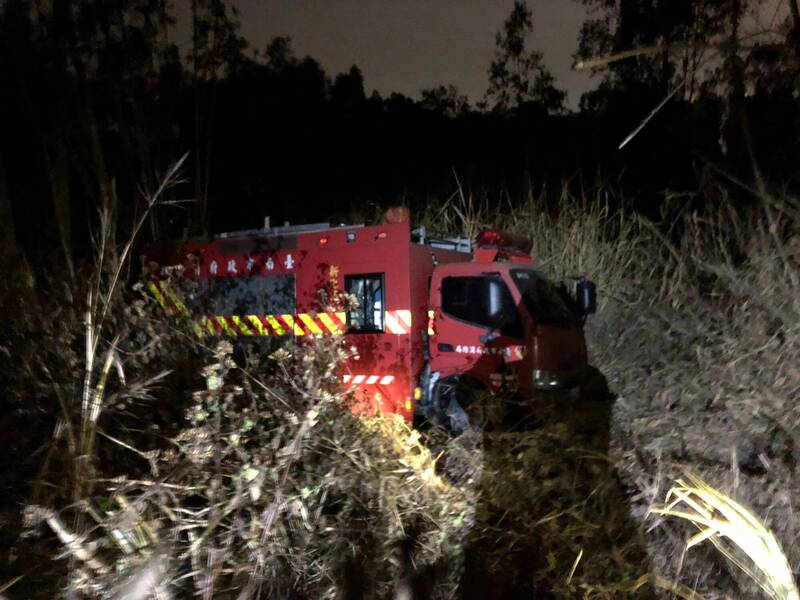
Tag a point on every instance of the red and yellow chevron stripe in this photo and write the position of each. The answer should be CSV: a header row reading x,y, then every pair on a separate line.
x,y
397,322
328,323
168,299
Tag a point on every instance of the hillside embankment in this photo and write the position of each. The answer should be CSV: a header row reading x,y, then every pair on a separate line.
x,y
697,336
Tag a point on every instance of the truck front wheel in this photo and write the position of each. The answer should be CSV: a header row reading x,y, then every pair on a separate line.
x,y
458,403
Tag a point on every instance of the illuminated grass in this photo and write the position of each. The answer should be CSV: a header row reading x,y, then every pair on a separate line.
x,y
738,534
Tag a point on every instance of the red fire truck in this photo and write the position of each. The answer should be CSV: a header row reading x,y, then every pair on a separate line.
x,y
433,319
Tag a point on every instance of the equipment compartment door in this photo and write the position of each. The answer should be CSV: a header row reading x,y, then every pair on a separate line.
x,y
258,306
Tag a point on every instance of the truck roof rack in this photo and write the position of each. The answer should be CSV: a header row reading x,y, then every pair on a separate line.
x,y
457,244
284,229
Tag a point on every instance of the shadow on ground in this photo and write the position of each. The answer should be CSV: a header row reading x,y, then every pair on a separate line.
x,y
552,519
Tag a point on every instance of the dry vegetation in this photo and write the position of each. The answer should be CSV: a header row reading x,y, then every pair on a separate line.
x,y
270,489
697,334
172,468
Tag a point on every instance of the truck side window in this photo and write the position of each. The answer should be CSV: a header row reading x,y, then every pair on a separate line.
x,y
483,301
367,315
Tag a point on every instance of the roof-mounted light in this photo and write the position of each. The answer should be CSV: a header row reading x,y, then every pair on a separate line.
x,y
507,242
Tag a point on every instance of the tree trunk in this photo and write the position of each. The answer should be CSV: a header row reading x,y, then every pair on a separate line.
x,y
57,167
200,225
794,40
105,186
794,8
10,255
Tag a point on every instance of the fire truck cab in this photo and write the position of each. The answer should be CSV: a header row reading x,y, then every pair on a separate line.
x,y
428,318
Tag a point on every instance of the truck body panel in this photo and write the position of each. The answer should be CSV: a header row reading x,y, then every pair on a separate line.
x,y
424,312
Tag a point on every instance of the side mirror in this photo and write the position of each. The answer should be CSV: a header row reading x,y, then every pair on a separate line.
x,y
586,292
488,337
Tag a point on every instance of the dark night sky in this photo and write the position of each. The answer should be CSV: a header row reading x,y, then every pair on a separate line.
x,y
408,45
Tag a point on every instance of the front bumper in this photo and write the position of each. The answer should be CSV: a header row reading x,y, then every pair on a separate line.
x,y
559,380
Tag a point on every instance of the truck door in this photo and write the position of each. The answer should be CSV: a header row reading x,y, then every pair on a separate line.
x,y
476,321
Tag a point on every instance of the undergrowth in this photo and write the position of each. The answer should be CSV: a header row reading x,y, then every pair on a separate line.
x,y
167,465
177,466
697,334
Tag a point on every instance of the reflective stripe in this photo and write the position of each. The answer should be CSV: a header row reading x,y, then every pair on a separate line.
x,y
342,318
368,379
180,307
276,326
301,324
166,298
398,321
326,320
308,321
209,325
157,293
298,325
405,317
392,326
241,326
258,324
223,323
294,327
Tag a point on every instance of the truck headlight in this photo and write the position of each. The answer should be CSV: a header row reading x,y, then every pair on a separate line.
x,y
545,379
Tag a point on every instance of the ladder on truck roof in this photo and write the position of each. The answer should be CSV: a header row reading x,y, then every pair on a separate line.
x,y
285,229
456,244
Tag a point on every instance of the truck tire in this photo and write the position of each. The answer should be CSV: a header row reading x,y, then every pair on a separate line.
x,y
456,401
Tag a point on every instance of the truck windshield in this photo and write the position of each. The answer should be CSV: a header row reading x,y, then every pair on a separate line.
x,y
547,304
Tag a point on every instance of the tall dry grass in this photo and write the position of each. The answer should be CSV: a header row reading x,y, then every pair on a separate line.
x,y
259,485
697,334
735,532
175,469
